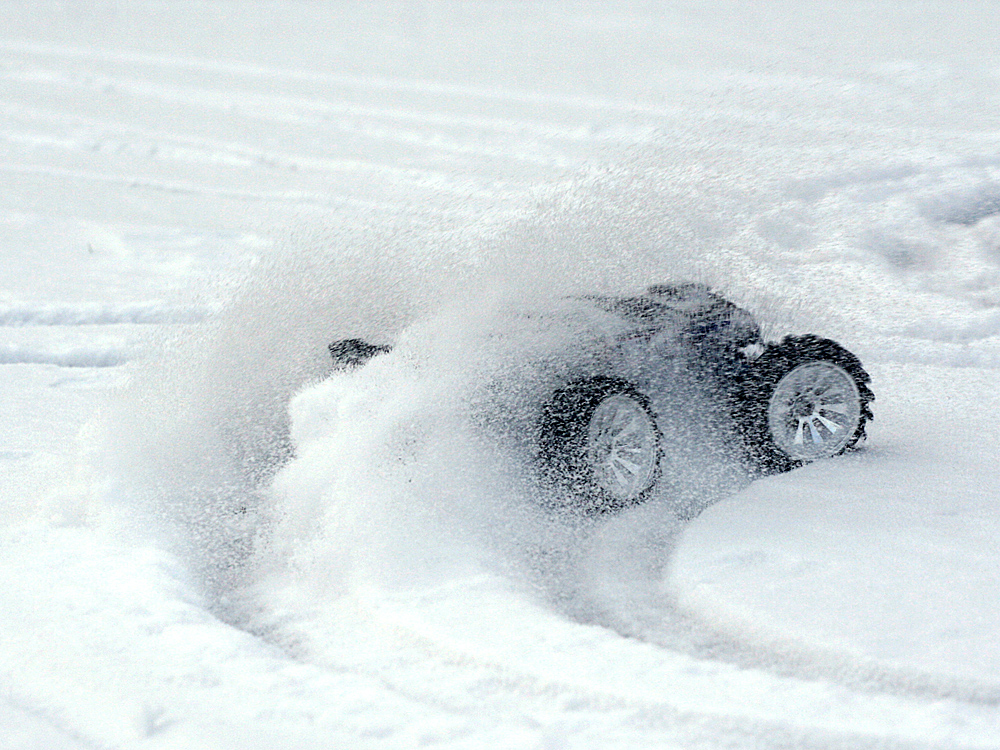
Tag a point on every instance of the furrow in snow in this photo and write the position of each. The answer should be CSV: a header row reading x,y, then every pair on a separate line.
x,y
324,108
474,137
107,136
294,197
149,313
106,356
503,658
582,109
369,83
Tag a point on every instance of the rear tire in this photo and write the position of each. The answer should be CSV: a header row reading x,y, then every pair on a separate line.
x,y
600,442
804,399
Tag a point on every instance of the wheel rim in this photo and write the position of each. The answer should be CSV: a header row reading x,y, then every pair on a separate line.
x,y
623,447
814,411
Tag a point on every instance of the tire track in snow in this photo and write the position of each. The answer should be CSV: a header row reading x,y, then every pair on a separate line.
x,y
684,632
413,170
324,107
525,140
158,148
218,151
149,313
371,83
98,355
193,148
87,356
294,197
658,115
487,665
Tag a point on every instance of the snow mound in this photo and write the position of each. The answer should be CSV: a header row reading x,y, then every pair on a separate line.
x,y
880,566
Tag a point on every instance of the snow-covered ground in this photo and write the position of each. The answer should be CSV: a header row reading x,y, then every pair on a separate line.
x,y
208,541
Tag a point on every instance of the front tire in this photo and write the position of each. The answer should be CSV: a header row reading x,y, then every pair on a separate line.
x,y
600,442
805,399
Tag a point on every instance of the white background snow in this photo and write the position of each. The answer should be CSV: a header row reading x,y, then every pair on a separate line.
x,y
209,542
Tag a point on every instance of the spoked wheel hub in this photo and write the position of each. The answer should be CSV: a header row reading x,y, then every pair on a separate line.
x,y
814,411
623,447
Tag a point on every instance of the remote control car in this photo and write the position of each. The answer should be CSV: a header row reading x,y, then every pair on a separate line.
x,y
599,427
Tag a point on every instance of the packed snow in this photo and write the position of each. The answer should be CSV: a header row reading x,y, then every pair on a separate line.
x,y
210,539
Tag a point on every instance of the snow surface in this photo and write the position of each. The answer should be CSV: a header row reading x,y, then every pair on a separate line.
x,y
209,541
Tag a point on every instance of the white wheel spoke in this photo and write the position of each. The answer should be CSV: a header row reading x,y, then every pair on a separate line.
x,y
828,424
816,438
839,408
632,467
618,474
